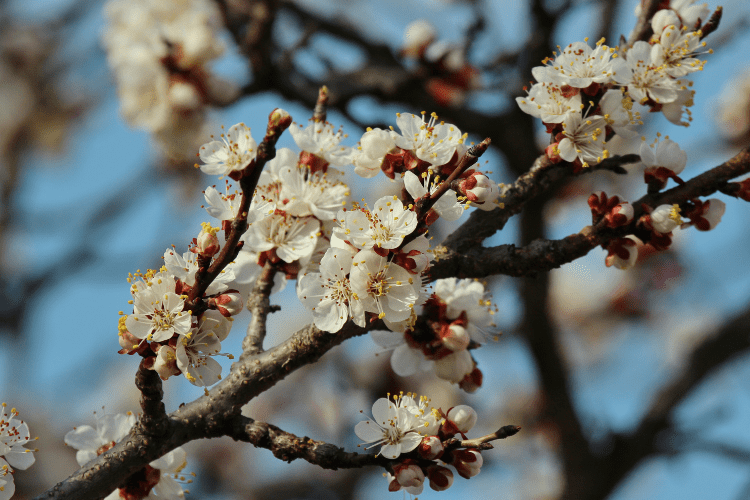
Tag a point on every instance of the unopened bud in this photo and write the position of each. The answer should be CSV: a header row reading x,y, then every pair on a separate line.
x,y
430,448
622,252
207,243
228,303
707,215
478,188
417,36
408,474
467,462
441,478
455,337
184,96
463,416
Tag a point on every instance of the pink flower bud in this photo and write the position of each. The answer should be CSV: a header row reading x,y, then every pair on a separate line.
x,y
622,252
707,215
478,188
430,448
441,478
620,215
463,416
467,462
228,303
455,337
409,474
207,243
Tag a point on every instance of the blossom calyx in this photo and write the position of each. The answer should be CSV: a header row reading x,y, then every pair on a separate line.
x,y
614,211
472,381
228,303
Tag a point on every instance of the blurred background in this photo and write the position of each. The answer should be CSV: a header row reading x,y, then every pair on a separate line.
x,y
628,385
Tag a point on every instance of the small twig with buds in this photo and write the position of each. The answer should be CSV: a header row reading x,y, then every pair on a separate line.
x,y
713,22
319,114
483,443
642,30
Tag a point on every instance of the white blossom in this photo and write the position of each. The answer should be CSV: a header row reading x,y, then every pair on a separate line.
x,y
384,288
430,141
293,238
584,139
369,156
194,350
665,218
398,426
385,226
617,108
7,485
91,442
14,435
578,65
329,294
157,310
447,206
319,139
185,266
644,77
666,155
676,50
546,102
233,153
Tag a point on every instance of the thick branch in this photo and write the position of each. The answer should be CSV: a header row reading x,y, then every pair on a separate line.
x,y
260,307
153,421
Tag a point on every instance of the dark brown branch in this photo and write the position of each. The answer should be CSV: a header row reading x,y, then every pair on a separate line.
x,y
542,176
153,420
464,258
259,305
288,447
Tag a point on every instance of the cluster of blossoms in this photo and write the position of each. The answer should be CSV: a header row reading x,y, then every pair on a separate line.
x,y
174,339
663,162
14,434
586,95
160,479
455,318
420,441
160,53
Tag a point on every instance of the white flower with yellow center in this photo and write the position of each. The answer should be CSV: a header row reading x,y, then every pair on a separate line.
x,y
584,139
431,141
293,238
157,310
384,288
385,226
233,153
319,138
546,102
578,65
328,293
447,206
392,426
14,434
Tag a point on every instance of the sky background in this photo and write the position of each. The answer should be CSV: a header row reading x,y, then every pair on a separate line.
x,y
67,366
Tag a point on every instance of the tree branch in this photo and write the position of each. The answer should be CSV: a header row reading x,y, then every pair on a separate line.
x,y
259,305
